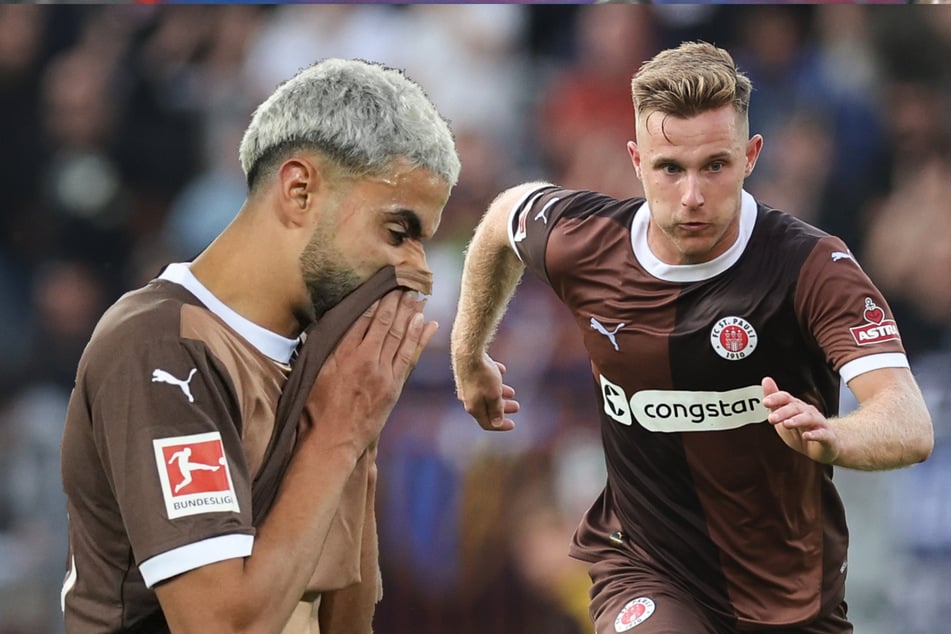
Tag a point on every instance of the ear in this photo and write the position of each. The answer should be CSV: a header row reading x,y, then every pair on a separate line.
x,y
298,181
753,148
635,158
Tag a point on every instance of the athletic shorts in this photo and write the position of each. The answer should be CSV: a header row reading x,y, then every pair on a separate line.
x,y
626,597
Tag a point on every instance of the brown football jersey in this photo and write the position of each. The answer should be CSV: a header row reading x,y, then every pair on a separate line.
x,y
696,477
167,426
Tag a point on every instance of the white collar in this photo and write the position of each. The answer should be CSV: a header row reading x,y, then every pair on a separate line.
x,y
270,343
691,272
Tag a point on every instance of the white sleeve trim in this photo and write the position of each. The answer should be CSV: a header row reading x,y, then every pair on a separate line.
x,y
872,362
511,218
195,555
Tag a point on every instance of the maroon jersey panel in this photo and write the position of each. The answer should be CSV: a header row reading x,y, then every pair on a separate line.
x,y
696,478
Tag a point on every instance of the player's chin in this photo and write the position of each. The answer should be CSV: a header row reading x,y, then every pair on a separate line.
x,y
696,248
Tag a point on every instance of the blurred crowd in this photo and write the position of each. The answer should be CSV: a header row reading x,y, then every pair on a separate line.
x,y
122,123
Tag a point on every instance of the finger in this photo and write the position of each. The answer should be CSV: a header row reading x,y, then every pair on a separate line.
x,y
406,308
508,391
358,329
821,435
494,412
769,386
778,399
383,318
507,424
501,367
785,412
511,406
428,332
406,354
495,415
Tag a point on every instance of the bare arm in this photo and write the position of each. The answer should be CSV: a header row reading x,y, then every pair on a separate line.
x,y
892,427
357,387
489,277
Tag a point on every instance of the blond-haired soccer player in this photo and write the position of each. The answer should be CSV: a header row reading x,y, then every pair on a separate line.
x,y
718,331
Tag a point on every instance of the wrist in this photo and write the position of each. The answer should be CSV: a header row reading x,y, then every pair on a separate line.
x,y
341,453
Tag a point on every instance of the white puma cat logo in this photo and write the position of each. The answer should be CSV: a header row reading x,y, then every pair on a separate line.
x,y
610,334
840,255
161,376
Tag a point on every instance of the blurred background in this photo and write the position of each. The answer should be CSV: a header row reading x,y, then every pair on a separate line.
x,y
121,126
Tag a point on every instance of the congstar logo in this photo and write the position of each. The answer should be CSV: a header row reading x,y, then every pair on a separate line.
x,y
684,410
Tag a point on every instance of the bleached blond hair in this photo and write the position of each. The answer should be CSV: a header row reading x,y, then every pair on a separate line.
x,y
361,116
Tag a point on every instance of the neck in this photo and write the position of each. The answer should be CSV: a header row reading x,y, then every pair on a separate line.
x,y
246,267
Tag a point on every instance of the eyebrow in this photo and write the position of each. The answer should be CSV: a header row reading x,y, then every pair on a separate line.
x,y
719,156
414,228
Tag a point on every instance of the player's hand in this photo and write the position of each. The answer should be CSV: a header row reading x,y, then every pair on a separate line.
x,y
479,386
800,425
361,381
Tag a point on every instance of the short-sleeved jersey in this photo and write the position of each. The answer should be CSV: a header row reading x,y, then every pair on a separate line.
x,y
167,425
696,477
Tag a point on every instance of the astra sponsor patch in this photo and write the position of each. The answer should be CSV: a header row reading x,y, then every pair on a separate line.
x,y
633,613
876,328
733,338
194,474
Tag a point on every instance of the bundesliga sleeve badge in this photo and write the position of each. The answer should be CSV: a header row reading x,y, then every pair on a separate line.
x,y
194,474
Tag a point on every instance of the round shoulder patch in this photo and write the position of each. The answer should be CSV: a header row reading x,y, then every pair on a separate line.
x,y
733,338
634,613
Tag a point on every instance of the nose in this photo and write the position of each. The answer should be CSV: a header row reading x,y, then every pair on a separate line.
x,y
691,196
412,270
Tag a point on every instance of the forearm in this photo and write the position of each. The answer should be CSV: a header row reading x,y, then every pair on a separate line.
x,y
291,540
490,275
259,593
891,430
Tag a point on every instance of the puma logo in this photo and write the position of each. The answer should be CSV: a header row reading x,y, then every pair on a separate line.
x,y
840,255
543,214
610,334
161,376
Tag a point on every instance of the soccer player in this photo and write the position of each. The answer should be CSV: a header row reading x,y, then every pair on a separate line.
x,y
718,331
172,421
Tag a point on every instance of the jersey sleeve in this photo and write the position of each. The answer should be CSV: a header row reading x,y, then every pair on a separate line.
x,y
531,221
845,313
539,215
167,429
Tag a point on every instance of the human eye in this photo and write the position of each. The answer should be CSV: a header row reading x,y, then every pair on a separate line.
x,y
669,168
397,236
717,166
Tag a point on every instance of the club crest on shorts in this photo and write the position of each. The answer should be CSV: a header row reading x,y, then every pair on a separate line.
x,y
634,613
733,338
876,328
194,474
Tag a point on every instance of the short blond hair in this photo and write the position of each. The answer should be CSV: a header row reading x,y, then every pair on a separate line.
x,y
693,78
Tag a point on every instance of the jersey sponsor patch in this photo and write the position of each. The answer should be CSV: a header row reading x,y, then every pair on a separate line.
x,y
733,338
633,613
669,411
615,401
876,328
687,410
194,474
